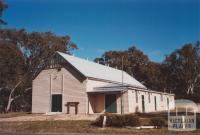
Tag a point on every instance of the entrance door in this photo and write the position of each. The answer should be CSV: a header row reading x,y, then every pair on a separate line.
x,y
110,103
143,104
56,103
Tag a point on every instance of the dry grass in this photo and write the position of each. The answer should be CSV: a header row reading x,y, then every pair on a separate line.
x,y
80,126
13,114
75,127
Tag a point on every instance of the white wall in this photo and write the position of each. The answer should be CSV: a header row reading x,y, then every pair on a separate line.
x,y
90,84
52,81
198,106
132,105
149,106
95,83
41,94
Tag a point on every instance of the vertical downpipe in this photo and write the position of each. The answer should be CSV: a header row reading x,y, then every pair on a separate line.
x,y
87,97
50,102
63,92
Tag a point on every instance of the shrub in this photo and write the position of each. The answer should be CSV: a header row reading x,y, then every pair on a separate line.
x,y
158,121
114,120
98,122
132,120
117,120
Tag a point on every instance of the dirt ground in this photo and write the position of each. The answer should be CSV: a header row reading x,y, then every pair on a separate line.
x,y
78,126
43,117
64,123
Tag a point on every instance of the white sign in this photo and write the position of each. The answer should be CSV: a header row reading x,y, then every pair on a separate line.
x,y
183,117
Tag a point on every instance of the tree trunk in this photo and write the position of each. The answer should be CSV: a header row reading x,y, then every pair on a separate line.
x,y
10,99
9,104
191,86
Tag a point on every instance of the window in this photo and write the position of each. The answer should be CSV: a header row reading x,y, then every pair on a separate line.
x,y
53,62
167,103
171,98
149,97
161,97
155,102
136,96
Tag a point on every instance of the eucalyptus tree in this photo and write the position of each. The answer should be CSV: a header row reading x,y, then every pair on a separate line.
x,y
3,6
137,64
182,68
35,48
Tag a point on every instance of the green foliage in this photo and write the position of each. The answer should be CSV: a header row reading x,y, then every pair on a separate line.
x,y
117,120
182,71
114,120
22,55
3,6
98,122
132,120
137,64
158,121
179,73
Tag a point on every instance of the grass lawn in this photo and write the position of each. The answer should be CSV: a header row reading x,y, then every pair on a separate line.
x,y
78,126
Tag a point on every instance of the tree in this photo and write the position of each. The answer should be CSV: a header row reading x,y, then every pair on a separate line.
x,y
178,73
12,67
137,64
182,68
3,6
35,48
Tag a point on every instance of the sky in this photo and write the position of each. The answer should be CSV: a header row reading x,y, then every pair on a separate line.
x,y
157,27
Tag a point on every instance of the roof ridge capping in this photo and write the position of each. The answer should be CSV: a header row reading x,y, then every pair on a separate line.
x,y
99,71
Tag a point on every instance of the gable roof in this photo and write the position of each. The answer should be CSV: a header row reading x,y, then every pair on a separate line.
x,y
98,71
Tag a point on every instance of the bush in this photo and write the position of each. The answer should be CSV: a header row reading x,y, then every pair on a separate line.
x,y
114,120
158,121
132,120
98,122
117,120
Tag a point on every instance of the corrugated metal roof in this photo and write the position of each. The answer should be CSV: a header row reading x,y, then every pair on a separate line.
x,y
95,70
109,88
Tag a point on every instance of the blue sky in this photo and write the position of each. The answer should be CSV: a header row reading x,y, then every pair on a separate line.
x,y
157,27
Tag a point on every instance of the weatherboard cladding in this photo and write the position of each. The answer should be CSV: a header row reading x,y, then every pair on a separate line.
x,y
63,82
74,87
94,70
